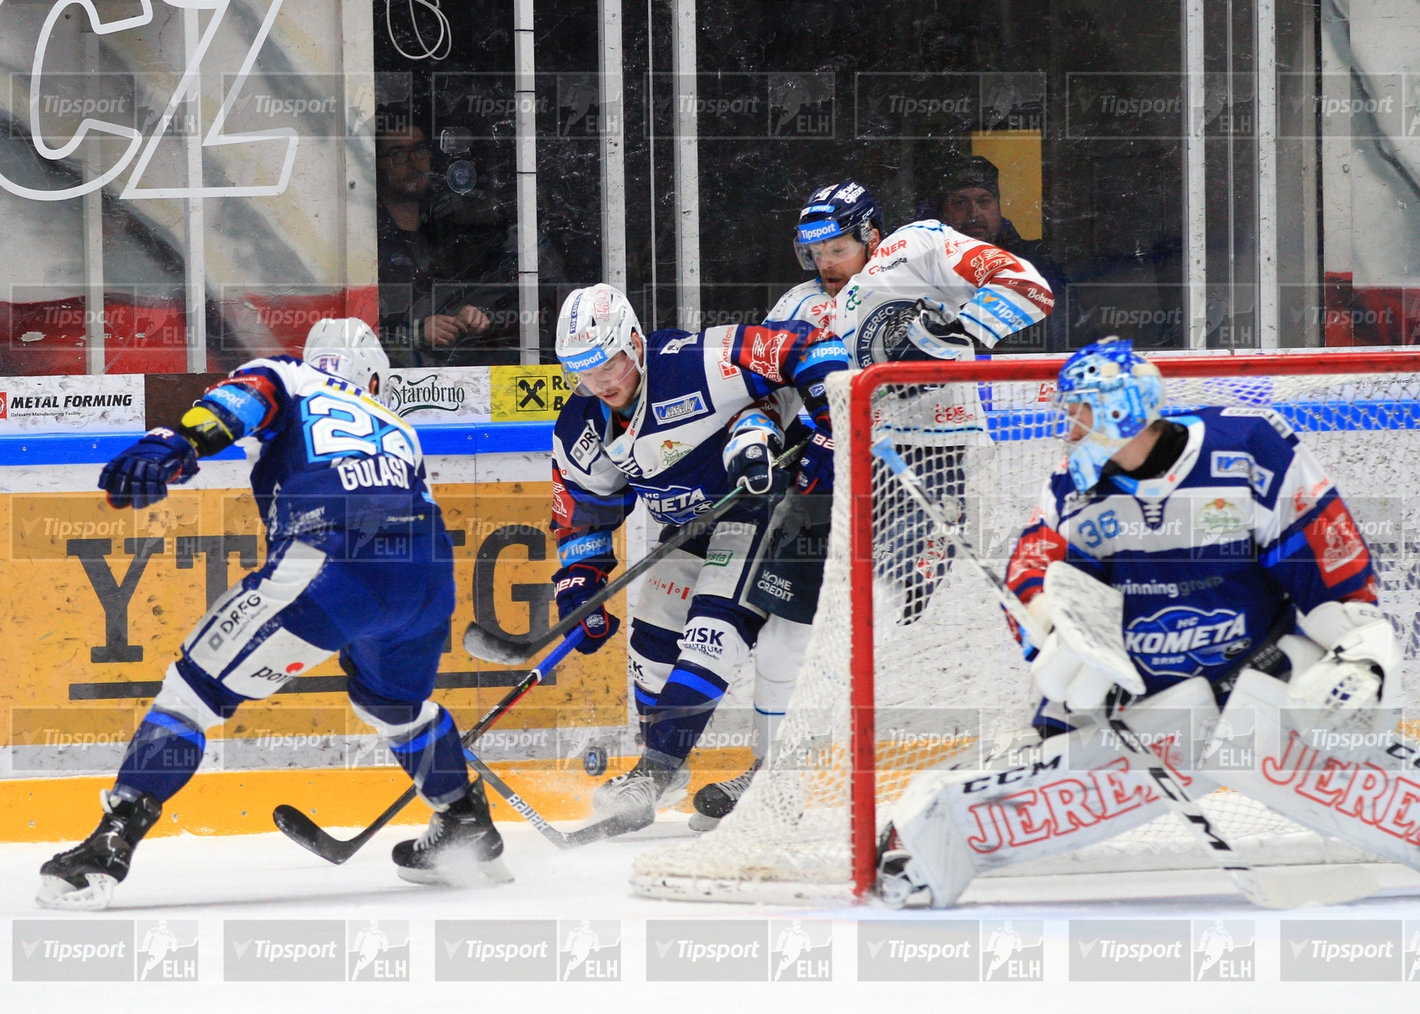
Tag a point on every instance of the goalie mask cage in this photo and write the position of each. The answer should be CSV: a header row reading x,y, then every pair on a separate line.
x,y
911,664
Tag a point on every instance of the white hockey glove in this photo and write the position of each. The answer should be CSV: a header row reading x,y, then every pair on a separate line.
x,y
1340,692
1083,656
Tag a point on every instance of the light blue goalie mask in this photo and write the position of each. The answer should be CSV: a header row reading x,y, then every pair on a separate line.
x,y
1124,392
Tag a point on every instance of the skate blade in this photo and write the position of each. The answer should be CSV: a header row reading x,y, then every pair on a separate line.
x,y
459,874
58,893
702,823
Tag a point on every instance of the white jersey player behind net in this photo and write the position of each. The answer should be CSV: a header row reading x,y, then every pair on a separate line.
x,y
1271,615
923,292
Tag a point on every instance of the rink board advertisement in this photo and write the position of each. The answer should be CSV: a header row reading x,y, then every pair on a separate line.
x,y
99,600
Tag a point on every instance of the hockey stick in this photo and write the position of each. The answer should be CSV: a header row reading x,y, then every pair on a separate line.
x,y
305,832
480,642
1267,888
608,827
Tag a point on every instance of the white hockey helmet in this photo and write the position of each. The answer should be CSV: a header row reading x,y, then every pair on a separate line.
x,y
594,325
348,348
1125,393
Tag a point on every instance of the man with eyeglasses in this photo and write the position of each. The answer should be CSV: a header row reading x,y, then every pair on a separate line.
x,y
414,264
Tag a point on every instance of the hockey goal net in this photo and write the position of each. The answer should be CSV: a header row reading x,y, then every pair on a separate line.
x,y
911,665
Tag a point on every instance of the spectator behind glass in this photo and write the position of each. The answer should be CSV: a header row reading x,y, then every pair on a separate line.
x,y
431,252
971,204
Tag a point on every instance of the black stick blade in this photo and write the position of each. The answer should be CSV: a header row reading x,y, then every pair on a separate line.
x,y
491,647
303,831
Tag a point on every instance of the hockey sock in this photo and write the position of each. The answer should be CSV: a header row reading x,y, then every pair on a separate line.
x,y
683,709
163,754
432,754
645,705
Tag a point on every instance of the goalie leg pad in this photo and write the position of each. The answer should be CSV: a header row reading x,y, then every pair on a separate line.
x,y
1060,795
1363,788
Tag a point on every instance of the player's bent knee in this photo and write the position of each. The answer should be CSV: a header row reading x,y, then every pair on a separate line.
x,y
196,697
651,652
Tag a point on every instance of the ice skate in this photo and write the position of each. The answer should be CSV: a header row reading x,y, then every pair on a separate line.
x,y
897,885
640,792
458,848
717,799
83,878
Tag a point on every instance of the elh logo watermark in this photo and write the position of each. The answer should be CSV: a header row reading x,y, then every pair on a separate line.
x,y
495,950
55,950
1410,962
1129,950
1341,950
167,950
1224,950
589,950
296,950
377,950
800,950
1012,950
716,950
919,951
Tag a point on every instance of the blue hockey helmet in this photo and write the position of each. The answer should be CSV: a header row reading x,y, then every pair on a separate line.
x,y
840,209
1125,394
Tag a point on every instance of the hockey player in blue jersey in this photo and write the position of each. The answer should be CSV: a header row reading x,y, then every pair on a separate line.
x,y
922,292
358,562
675,420
1246,584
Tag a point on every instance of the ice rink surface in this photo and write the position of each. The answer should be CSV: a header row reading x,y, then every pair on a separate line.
x,y
201,883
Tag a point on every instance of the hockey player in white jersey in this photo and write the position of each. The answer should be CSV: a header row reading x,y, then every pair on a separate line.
x,y
1246,584
923,292
675,420
357,562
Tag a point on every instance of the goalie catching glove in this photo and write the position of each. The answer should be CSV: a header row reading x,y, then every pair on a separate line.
x,y
139,475
574,585
750,452
1340,692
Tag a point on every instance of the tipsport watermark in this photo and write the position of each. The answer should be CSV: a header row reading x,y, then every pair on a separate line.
x,y
264,950
1116,106
589,950
496,950
919,951
52,950
785,105
1130,950
718,950
1342,950
922,106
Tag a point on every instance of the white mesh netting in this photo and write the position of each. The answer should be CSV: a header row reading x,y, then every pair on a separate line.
x,y
947,674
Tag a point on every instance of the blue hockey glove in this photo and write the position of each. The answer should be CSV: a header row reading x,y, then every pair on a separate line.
x,y
750,452
816,465
574,585
140,475
827,354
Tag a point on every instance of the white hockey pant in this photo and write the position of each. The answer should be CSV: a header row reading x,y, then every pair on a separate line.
x,y
1057,796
